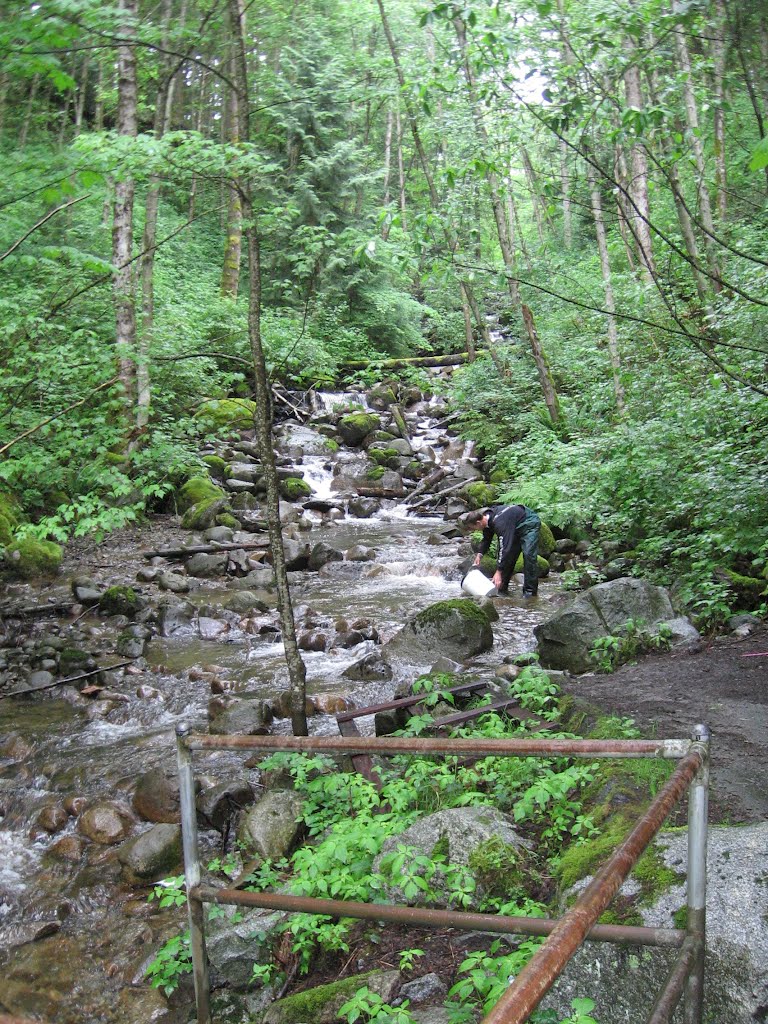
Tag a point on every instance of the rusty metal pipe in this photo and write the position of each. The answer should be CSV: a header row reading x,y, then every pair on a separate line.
x,y
420,916
387,746
670,995
539,974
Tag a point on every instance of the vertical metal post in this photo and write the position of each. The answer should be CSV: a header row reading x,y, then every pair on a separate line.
x,y
698,800
192,875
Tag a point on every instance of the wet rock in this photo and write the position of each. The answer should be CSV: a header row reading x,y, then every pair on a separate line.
x,y
133,641
246,601
105,823
53,818
448,666
156,797
68,848
211,629
363,508
75,805
173,582
249,717
259,578
174,618
360,553
217,804
207,566
271,829
322,553
458,628
153,854
331,703
371,667
351,638
86,592
16,748
355,427
313,641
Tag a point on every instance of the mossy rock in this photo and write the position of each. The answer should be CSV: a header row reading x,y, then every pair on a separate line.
x,y
479,494
197,490
203,515
227,519
356,426
218,467
319,1004
376,472
331,445
746,588
117,459
542,563
498,476
73,660
500,869
120,601
227,413
29,558
9,509
293,488
546,541
6,531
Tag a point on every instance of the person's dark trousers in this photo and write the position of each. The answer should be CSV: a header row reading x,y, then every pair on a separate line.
x,y
526,539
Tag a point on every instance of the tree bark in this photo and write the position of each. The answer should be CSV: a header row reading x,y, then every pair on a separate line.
x,y
25,125
263,417
718,102
122,225
605,269
233,245
639,214
469,334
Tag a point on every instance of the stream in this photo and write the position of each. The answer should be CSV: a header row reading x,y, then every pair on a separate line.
x,y
74,936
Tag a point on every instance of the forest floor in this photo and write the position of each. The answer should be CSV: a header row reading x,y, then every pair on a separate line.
x,y
723,684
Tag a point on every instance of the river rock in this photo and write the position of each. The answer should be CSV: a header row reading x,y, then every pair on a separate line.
x,y
173,582
210,628
313,641
105,823
360,553
207,566
624,985
86,592
218,803
249,717
153,854
271,828
421,990
156,797
370,668
53,818
363,508
458,629
175,618
68,848
566,639
320,1005
355,427
246,601
322,553
238,939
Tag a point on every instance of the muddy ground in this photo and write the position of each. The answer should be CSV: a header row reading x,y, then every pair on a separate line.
x,y
723,685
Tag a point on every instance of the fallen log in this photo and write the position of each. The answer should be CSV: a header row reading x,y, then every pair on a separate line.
x,y
204,549
381,492
454,359
35,610
63,682
437,495
429,481
402,426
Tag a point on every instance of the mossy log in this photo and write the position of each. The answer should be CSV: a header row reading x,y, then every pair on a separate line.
x,y
454,359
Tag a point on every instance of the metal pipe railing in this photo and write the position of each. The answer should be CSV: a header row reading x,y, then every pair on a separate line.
x,y
564,936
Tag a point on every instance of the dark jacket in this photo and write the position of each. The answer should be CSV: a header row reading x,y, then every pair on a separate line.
x,y
503,520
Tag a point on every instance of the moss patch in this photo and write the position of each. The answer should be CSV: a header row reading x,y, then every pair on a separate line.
x,y
119,601
227,413
204,514
6,531
384,457
479,494
227,519
500,869
375,473
30,558
437,613
197,490
316,1003
218,467
293,488
546,541
542,563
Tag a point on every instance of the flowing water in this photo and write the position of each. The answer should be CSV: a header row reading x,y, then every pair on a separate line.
x,y
74,938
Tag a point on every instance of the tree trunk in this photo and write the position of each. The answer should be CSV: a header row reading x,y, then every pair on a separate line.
x,y
530,177
400,171
605,269
3,98
263,418
550,394
469,334
122,225
639,214
694,139
230,274
565,185
718,102
82,90
98,104
24,133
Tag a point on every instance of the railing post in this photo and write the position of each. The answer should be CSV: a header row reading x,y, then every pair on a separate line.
x,y
192,875
698,800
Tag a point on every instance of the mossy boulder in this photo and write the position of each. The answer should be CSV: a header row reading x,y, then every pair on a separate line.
x,y
6,531
9,509
458,629
227,519
120,601
385,457
356,426
293,488
29,558
321,1004
747,589
196,490
216,466
227,413
542,563
205,514
375,473
546,541
480,495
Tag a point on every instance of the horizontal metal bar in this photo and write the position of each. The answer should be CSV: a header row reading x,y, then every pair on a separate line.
x,y
387,746
670,995
625,934
539,974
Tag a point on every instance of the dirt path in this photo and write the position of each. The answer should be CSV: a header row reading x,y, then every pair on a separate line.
x,y
721,685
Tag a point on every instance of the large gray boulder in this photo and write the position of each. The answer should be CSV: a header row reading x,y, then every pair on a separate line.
x,y
459,629
153,854
272,827
624,982
566,639
237,940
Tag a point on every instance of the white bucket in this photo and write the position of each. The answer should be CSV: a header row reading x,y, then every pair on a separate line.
x,y
477,584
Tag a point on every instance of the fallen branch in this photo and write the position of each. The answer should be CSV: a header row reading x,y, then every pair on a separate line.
x,y
63,682
203,549
430,480
32,611
438,495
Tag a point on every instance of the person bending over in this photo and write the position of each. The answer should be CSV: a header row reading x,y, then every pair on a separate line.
x,y
517,528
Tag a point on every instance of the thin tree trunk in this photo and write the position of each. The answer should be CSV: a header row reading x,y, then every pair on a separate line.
x,y
753,97
694,138
24,133
199,113
263,417
565,185
639,215
98,106
400,171
230,274
622,177
64,120
530,177
718,91
3,99
82,90
386,223
122,226
605,269
469,334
